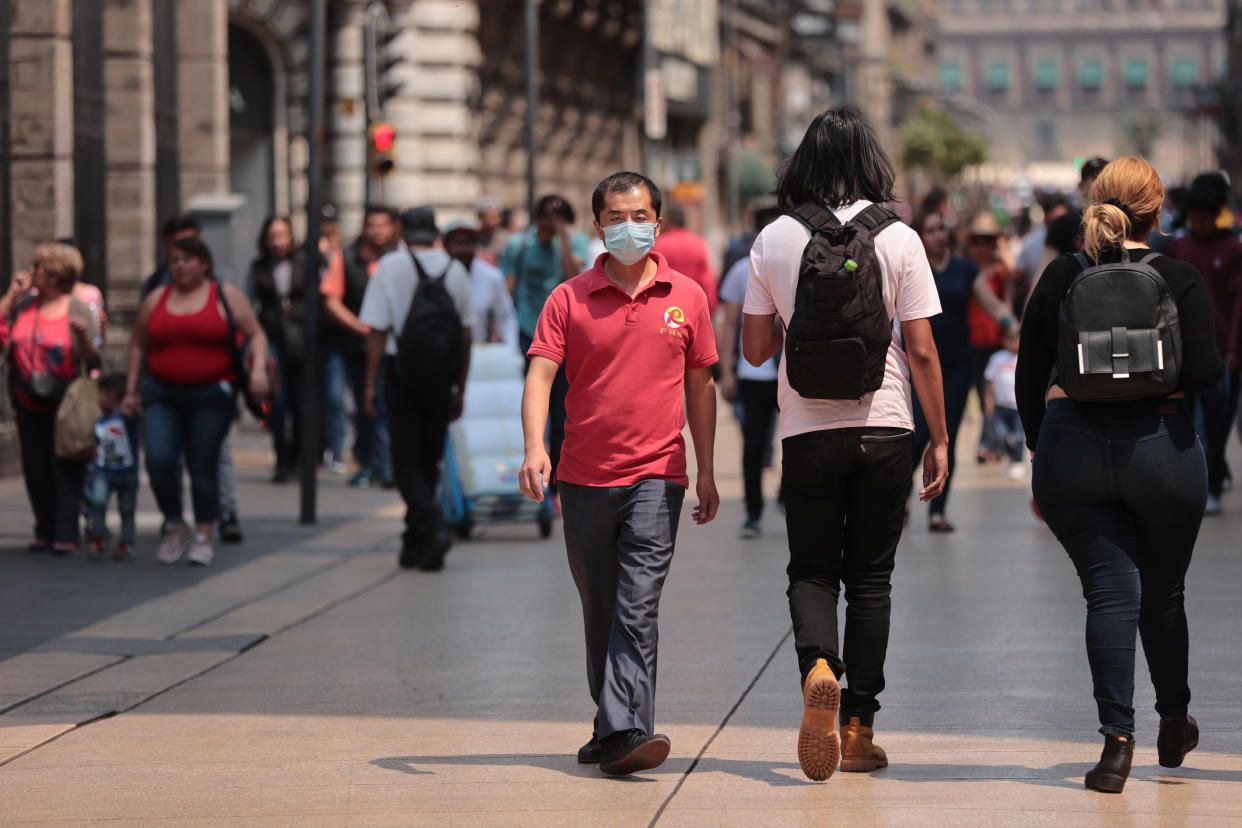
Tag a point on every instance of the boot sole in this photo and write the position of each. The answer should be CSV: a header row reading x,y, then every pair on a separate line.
x,y
1175,760
819,744
862,765
1107,783
650,754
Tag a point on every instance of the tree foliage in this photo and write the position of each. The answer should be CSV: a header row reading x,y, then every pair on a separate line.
x,y
932,141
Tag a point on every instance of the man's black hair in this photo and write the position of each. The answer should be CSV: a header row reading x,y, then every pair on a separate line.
x,y
1209,191
675,217
554,205
839,161
380,210
1054,201
623,182
114,383
180,224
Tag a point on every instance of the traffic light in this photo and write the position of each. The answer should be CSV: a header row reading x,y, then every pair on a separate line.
x,y
381,149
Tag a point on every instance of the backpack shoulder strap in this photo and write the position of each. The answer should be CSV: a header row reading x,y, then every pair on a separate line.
x,y
875,218
1083,262
1150,258
418,267
814,216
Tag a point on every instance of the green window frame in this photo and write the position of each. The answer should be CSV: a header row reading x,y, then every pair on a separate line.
x,y
1136,73
1046,75
1091,73
996,78
951,76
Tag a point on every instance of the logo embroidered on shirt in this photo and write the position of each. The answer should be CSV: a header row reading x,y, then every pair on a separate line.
x,y
674,317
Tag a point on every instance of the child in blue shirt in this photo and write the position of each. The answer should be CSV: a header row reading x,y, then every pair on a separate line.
x,y
115,470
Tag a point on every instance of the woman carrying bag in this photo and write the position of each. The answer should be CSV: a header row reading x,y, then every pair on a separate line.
x,y
50,336
183,379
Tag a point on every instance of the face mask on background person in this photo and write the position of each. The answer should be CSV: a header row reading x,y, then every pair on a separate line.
x,y
629,241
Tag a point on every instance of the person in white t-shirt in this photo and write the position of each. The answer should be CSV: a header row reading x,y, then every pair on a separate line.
x,y
846,463
753,390
495,320
1000,402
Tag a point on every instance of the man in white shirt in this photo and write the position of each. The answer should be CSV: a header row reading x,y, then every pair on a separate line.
x,y
494,317
418,415
847,462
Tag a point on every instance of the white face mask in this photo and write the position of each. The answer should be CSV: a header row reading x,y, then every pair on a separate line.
x,y
629,241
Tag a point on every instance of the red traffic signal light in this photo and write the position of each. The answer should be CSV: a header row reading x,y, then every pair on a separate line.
x,y
382,137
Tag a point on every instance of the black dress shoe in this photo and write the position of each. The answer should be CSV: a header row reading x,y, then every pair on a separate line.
x,y
589,753
1113,769
1177,738
433,551
230,528
630,751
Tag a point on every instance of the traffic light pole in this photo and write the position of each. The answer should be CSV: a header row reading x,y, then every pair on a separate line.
x,y
312,430
532,99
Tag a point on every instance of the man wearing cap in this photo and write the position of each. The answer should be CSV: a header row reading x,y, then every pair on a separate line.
x,y
634,338
494,317
418,417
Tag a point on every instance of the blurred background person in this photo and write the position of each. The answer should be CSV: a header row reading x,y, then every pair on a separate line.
x,y
987,312
493,221
182,381
495,319
277,286
50,335
688,253
345,355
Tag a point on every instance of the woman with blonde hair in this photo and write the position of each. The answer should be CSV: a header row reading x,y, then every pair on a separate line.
x,y
1121,480
51,333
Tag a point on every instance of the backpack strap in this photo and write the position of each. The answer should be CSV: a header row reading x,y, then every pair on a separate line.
x,y
1081,258
875,218
422,274
814,216
1149,258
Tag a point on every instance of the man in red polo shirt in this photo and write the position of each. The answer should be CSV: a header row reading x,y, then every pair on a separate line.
x,y
634,336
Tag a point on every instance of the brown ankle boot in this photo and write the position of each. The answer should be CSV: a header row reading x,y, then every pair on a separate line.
x,y
1110,774
818,747
1177,738
858,753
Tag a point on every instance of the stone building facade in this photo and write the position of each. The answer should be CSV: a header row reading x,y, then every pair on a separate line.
x,y
1051,80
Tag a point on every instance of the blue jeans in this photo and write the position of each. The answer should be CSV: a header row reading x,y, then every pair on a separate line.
x,y
1007,427
1123,487
192,420
1212,406
372,446
99,491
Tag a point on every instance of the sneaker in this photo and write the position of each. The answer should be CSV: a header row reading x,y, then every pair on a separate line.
x,y
1017,471
337,467
230,528
361,480
630,751
201,553
172,547
750,530
1213,505
64,549
123,552
819,747
98,549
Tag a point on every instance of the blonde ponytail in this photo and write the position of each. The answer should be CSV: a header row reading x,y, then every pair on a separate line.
x,y
1105,227
1125,202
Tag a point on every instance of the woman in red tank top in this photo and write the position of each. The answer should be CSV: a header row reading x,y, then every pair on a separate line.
x,y
183,344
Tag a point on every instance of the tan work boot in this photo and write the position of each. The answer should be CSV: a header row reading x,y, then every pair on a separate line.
x,y
819,749
858,753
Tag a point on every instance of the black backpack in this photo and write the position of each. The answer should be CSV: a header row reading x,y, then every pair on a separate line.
x,y
838,339
430,350
1120,337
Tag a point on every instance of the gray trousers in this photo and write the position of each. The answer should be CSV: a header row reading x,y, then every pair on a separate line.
x,y
228,479
620,543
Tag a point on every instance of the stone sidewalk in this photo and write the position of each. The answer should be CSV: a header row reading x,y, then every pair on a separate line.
x,y
318,685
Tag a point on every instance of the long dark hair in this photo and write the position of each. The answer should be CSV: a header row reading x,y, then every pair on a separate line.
x,y
839,161
267,225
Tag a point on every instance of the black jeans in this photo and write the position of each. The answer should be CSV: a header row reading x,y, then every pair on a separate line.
x,y
1214,406
758,398
418,419
957,379
1123,487
556,407
845,492
53,485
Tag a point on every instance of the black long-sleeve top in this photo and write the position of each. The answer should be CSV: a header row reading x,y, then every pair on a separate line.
x,y
1037,355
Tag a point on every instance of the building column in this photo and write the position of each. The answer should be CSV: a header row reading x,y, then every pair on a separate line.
x,y
41,83
130,142
203,97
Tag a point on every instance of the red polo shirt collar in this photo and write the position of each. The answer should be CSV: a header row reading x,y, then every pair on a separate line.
x,y
598,277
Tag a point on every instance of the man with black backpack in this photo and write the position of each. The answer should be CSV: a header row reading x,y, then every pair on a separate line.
x,y
838,271
415,304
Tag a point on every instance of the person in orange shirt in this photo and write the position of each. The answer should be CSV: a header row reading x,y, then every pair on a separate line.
x,y
342,287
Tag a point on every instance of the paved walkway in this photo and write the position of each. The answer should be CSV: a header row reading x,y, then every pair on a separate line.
x,y
314,684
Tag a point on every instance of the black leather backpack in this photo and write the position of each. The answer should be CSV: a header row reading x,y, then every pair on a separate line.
x,y
838,339
1120,337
